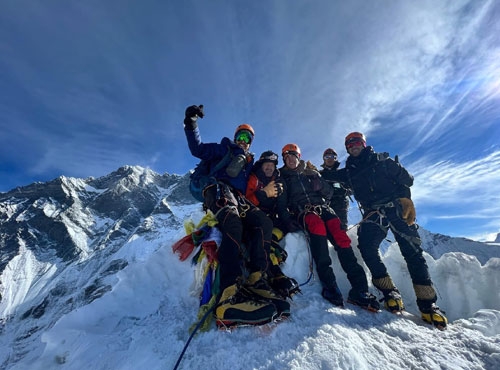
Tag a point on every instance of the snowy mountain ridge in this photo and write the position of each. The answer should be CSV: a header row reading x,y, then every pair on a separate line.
x,y
88,279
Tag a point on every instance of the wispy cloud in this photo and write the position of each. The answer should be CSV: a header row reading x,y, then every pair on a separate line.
x,y
106,85
417,65
465,195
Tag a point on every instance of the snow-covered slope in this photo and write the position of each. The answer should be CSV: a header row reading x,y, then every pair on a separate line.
x,y
88,280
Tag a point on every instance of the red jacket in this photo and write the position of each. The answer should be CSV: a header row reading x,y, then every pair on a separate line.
x,y
256,182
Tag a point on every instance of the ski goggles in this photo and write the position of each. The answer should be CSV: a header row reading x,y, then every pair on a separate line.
x,y
244,136
355,142
329,156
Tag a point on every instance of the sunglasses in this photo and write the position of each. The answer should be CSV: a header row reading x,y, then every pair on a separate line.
x,y
330,156
355,142
244,136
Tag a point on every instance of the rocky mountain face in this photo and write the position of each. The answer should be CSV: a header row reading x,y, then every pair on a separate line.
x,y
70,218
60,240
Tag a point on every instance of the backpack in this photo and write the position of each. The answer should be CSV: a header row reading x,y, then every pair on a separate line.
x,y
203,174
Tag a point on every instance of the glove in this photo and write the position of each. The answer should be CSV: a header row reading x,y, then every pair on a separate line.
x,y
279,187
271,189
409,213
195,111
192,114
292,226
311,166
310,170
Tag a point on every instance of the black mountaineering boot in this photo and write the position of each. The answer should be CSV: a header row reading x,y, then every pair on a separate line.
x,y
285,286
258,286
364,300
333,295
282,284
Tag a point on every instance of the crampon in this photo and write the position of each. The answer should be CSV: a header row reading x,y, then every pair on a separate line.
x,y
263,326
364,300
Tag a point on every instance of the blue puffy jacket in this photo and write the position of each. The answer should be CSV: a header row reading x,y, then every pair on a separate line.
x,y
215,152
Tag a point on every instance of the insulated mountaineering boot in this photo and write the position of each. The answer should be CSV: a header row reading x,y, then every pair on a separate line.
x,y
282,284
257,284
426,298
236,308
333,295
364,300
433,315
393,301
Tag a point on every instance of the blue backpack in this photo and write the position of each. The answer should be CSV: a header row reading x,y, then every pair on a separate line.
x,y
203,174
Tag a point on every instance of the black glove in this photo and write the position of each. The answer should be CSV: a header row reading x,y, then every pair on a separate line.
x,y
293,226
194,111
192,114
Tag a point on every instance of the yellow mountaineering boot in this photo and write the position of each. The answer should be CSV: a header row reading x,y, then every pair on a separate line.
x,y
257,284
433,315
237,308
426,296
393,302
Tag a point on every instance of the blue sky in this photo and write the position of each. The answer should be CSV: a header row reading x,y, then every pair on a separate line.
x,y
87,87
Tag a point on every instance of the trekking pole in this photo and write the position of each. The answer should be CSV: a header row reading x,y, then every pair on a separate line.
x,y
202,320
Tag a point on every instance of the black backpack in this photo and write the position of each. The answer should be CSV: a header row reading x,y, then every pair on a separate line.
x,y
203,174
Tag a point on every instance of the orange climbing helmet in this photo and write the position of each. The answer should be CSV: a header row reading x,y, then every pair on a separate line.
x,y
291,149
353,138
244,132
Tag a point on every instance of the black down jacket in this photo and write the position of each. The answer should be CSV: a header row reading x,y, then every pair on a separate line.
x,y
302,186
375,178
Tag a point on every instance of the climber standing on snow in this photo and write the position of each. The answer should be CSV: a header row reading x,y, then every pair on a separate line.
x,y
382,188
304,205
